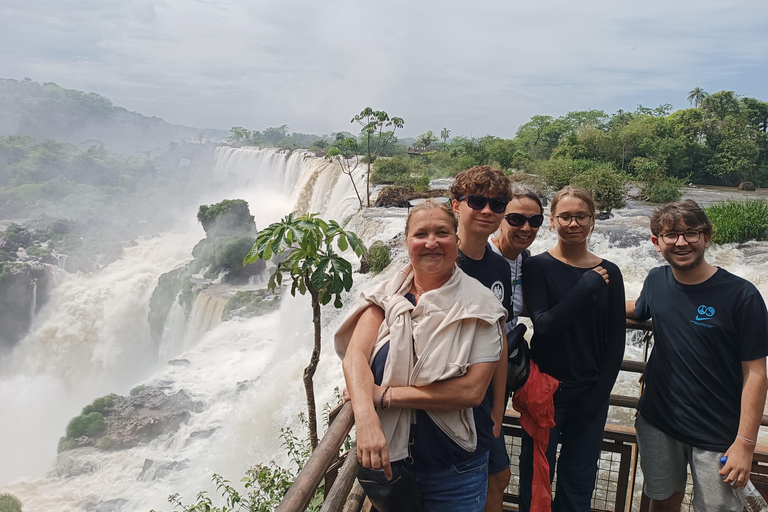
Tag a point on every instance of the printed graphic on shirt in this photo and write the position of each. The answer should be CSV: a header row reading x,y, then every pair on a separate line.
x,y
498,290
705,313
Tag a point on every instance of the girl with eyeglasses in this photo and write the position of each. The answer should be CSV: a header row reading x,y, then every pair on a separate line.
x,y
576,302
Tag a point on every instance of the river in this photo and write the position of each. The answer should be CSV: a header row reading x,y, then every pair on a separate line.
x,y
92,339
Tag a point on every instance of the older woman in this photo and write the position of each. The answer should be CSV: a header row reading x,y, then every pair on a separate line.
x,y
419,352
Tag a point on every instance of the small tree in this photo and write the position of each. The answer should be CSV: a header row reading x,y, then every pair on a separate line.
x,y
425,139
309,259
445,134
344,154
374,123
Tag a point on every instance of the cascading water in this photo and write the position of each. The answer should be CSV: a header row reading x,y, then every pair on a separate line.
x,y
93,338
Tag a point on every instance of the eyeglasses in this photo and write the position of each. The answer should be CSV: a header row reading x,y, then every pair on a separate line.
x,y
518,220
690,236
581,219
478,202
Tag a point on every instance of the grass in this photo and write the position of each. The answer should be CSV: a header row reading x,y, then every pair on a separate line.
x,y
739,221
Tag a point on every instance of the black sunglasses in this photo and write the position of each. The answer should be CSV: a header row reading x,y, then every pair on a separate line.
x,y
478,202
518,220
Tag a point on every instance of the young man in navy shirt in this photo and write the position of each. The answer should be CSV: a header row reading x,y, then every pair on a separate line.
x,y
705,382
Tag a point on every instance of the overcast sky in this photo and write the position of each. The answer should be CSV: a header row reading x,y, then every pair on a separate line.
x,y
475,67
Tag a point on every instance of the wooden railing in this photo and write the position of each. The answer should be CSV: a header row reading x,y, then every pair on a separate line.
x,y
618,441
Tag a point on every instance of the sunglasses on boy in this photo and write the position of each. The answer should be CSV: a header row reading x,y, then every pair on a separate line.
x,y
518,220
478,202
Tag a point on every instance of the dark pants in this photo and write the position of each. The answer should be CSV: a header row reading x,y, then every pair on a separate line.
x,y
577,465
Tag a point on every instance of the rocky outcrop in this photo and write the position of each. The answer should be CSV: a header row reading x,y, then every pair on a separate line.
x,y
747,185
129,420
24,289
400,196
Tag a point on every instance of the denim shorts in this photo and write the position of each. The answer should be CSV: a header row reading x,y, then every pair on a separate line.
x,y
664,461
457,488
498,457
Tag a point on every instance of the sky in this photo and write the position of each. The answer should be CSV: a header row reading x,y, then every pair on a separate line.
x,y
476,68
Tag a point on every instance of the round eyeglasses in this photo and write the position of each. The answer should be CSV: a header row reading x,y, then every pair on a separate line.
x,y
581,219
689,236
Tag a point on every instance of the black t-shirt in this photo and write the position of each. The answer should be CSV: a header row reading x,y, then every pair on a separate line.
x,y
493,271
701,334
579,325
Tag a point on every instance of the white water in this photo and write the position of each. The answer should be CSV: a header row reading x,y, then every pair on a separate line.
x,y
93,339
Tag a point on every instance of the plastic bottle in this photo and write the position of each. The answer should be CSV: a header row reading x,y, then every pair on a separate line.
x,y
750,497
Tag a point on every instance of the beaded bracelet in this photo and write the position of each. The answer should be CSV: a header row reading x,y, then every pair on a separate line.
x,y
381,401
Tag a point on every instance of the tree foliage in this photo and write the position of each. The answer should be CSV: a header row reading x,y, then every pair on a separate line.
x,y
378,130
304,251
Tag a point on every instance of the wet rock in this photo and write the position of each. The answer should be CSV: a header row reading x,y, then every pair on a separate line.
x,y
114,505
24,289
604,216
179,362
747,185
153,470
8,245
69,464
146,415
400,196
200,434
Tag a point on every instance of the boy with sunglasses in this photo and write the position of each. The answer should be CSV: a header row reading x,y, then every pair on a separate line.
x,y
705,382
480,197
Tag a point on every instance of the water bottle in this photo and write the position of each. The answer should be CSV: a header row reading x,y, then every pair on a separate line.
x,y
750,497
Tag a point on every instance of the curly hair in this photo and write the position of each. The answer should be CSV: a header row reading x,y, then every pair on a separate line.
x,y
686,212
483,180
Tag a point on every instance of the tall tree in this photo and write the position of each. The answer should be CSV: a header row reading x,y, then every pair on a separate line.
x,y
445,134
304,249
425,139
374,123
696,96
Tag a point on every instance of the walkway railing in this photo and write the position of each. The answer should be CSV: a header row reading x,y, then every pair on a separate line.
x,y
614,490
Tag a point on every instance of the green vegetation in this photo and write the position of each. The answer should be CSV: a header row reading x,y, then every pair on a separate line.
x,y
739,221
379,256
138,389
265,484
9,503
249,303
605,183
304,246
229,217
100,405
90,425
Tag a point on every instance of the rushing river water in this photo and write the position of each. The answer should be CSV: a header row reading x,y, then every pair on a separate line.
x,y
93,339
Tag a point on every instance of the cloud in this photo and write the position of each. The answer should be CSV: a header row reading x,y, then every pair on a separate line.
x,y
477,68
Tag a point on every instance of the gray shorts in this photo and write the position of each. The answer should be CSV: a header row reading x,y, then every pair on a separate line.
x,y
665,461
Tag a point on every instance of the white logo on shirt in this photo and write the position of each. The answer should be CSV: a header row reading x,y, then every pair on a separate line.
x,y
498,290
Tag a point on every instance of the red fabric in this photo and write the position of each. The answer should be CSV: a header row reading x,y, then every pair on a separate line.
x,y
537,415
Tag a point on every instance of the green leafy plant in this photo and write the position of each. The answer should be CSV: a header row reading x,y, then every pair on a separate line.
x,y
9,503
379,256
377,132
100,405
606,184
90,425
305,246
739,221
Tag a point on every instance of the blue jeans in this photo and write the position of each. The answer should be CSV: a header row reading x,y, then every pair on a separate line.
x,y
580,440
458,488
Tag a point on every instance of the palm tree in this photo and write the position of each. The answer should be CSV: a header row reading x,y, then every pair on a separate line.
x,y
696,96
445,134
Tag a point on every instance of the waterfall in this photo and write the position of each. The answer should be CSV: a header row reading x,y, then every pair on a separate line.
x,y
206,314
33,308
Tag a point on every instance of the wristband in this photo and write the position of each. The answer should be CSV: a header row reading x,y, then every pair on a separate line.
x,y
745,439
381,401
389,400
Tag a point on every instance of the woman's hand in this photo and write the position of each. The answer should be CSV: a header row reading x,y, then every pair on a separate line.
x,y
603,273
372,451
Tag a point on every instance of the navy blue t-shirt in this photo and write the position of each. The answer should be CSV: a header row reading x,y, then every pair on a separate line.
x,y
701,334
